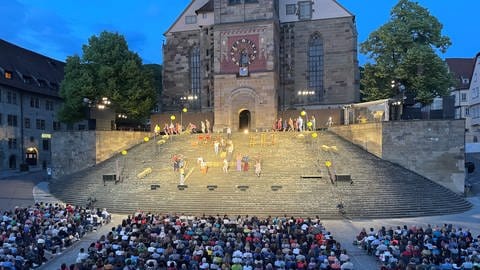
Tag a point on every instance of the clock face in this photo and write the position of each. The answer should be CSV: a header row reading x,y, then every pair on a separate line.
x,y
243,52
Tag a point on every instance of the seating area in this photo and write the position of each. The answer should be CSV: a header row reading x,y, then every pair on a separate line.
x,y
30,235
153,241
420,248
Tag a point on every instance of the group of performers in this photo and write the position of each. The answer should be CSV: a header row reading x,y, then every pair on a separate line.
x,y
296,124
177,128
223,149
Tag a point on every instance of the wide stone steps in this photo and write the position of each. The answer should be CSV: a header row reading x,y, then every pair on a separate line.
x,y
379,189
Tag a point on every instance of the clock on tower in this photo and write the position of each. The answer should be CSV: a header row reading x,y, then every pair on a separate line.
x,y
243,53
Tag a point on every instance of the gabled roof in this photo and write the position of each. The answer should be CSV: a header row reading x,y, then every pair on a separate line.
x,y
342,7
45,74
461,68
178,18
208,7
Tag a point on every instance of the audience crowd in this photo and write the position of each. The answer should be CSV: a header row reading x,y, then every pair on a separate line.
x,y
422,248
150,241
28,235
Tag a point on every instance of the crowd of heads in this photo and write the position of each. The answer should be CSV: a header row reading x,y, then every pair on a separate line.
x,y
29,234
151,241
422,248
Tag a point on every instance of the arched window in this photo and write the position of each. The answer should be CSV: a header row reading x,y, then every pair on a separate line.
x,y
315,68
195,77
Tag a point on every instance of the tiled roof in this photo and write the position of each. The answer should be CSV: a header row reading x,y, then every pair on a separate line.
x,y
208,7
461,68
43,74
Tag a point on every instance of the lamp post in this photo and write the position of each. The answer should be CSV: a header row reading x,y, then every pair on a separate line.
x,y
184,110
303,113
122,171
172,118
400,96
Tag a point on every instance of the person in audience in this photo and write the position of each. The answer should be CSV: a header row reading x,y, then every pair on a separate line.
x,y
347,265
432,247
28,233
154,241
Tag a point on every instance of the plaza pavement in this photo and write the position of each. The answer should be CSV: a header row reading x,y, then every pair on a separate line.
x,y
23,189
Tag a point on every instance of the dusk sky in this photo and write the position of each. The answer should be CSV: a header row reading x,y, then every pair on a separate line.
x,y
59,28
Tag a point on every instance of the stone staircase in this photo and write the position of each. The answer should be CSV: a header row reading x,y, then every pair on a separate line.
x,y
379,188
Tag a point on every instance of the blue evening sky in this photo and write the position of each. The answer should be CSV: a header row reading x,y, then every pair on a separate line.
x,y
59,28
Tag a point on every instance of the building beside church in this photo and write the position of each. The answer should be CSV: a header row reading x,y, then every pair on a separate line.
x,y
461,70
29,102
246,61
473,118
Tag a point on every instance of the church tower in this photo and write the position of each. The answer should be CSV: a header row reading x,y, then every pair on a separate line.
x,y
245,66
248,62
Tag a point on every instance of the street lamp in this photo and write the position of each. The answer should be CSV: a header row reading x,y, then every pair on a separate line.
x,y
400,97
304,114
184,110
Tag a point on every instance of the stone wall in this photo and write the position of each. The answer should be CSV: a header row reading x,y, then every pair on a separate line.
x,y
176,65
78,150
227,13
73,151
433,149
339,55
367,136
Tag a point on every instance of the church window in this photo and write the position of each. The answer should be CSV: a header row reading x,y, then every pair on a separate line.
x,y
234,2
315,67
290,9
195,76
191,19
305,10
251,1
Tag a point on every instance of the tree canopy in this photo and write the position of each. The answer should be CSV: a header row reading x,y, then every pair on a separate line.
x,y
156,71
404,53
109,69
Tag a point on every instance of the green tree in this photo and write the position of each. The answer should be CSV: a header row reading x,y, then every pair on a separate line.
x,y
156,72
109,69
404,51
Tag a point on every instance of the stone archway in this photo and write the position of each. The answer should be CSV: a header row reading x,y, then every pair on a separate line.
x,y
244,120
243,107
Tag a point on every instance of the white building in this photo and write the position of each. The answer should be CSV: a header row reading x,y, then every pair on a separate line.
x,y
461,69
473,118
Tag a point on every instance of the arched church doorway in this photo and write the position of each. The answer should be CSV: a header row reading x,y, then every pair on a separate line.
x,y
244,120
31,156
12,162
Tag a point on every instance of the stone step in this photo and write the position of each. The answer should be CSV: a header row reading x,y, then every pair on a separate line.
x,y
396,192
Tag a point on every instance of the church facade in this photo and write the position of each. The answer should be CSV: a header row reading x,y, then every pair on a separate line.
x,y
248,60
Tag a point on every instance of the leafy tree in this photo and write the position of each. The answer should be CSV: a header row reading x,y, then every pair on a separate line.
x,y
156,73
404,51
107,69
